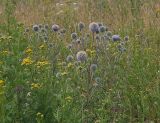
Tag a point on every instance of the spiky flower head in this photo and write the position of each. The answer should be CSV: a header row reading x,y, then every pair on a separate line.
x,y
93,27
35,28
78,41
69,58
81,56
55,28
74,35
116,38
102,29
109,33
81,25
93,67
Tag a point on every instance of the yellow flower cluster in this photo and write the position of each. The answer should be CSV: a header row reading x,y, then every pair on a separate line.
x,y
28,51
27,61
36,85
91,52
2,82
42,46
5,52
41,63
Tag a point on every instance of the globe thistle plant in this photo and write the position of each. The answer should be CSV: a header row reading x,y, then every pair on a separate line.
x,y
116,38
93,27
74,35
35,28
81,56
81,25
55,28
69,58
93,67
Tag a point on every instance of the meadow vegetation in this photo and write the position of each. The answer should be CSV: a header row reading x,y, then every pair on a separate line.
x,y
79,61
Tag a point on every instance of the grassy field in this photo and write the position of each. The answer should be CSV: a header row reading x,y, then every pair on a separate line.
x,y
79,61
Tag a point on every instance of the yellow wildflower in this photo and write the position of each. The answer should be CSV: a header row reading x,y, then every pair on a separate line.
x,y
64,73
27,61
36,86
41,46
5,52
2,82
28,51
70,65
41,63
90,52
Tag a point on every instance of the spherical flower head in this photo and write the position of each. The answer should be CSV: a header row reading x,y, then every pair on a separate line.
x,y
94,27
81,25
55,28
35,28
126,38
109,33
69,58
81,56
78,41
102,29
93,67
116,38
97,79
74,35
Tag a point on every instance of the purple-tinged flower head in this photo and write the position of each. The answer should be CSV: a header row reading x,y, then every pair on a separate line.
x,y
81,56
126,38
35,28
18,88
69,58
55,28
93,27
109,33
102,29
78,41
74,35
81,25
116,38
93,67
